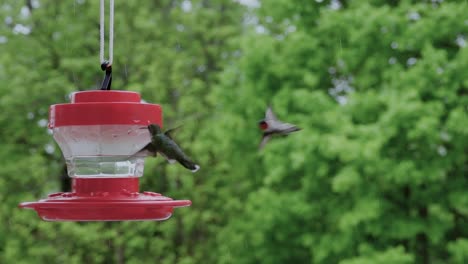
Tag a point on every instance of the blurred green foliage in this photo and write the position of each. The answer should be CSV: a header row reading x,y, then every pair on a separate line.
x,y
377,175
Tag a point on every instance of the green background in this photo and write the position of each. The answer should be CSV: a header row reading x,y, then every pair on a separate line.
x,y
378,174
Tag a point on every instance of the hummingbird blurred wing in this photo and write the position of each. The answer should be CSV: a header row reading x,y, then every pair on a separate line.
x,y
169,131
151,149
265,139
269,115
286,128
171,161
148,150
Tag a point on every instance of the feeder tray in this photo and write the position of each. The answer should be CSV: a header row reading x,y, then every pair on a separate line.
x,y
99,133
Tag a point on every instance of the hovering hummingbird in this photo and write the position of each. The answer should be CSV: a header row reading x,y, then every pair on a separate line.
x,y
271,126
163,144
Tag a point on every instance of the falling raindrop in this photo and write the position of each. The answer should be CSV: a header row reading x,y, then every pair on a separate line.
x,y
392,60
394,45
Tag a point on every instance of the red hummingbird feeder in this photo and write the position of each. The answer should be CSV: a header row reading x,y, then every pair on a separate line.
x,y
99,134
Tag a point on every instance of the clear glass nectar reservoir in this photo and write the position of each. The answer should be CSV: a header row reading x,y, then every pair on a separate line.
x,y
103,150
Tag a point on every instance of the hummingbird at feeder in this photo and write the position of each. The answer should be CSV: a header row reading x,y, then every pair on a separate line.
x,y
162,143
271,126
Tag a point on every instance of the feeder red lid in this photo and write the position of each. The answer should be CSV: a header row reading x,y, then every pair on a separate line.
x,y
104,107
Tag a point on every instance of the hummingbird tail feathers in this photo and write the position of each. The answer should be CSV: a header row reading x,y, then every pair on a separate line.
x,y
292,129
190,165
196,168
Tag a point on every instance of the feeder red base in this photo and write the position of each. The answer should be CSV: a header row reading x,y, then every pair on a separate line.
x,y
105,199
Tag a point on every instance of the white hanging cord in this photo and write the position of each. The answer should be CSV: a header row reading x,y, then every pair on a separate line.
x,y
101,32
111,32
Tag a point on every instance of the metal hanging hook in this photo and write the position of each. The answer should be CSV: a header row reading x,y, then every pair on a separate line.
x,y
106,83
